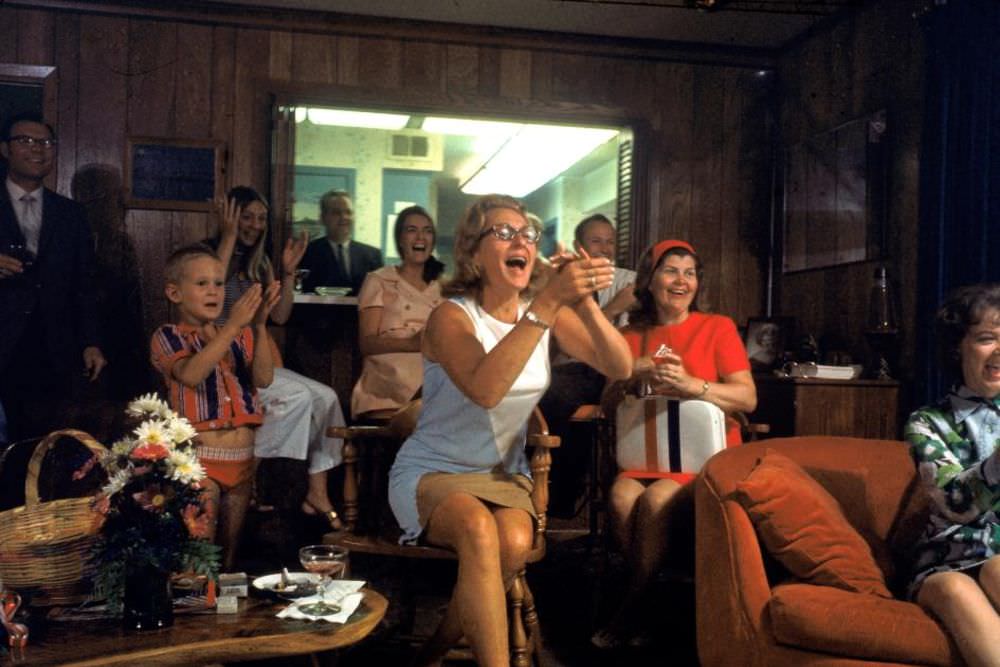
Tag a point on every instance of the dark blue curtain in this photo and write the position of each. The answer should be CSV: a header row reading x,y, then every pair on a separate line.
x,y
959,166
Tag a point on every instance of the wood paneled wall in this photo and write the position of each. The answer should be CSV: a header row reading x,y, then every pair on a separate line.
x,y
124,72
874,60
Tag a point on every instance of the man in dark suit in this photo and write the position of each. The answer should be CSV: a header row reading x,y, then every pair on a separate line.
x,y
48,322
337,260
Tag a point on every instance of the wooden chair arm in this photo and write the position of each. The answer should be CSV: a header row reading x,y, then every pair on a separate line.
x,y
544,440
540,463
749,429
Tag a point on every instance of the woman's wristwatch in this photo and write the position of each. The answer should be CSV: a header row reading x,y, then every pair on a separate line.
x,y
704,390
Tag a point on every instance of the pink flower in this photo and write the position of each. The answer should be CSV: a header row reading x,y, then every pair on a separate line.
x,y
102,504
150,451
85,468
198,522
153,498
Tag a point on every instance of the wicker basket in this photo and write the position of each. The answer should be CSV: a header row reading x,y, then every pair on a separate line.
x,y
45,547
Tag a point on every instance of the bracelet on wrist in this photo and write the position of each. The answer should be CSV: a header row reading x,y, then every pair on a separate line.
x,y
704,390
534,320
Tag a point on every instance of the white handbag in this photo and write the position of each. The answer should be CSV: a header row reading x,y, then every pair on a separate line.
x,y
667,435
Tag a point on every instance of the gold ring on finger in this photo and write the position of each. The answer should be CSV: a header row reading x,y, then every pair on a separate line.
x,y
593,282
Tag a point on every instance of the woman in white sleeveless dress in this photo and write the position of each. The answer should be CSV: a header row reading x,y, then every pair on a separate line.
x,y
461,480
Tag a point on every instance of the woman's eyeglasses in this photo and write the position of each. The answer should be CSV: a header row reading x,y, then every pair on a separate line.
x,y
505,232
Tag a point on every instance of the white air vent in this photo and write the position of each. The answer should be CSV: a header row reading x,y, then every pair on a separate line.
x,y
415,150
409,145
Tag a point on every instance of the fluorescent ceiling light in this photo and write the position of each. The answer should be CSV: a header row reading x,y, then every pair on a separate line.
x,y
467,127
345,118
533,157
487,135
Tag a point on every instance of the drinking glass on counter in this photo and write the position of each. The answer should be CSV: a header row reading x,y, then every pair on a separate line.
x,y
300,275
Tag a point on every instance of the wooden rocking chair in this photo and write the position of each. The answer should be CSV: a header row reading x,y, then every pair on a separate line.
x,y
370,528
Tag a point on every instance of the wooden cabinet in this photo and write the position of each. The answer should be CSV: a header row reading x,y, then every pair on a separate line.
x,y
806,406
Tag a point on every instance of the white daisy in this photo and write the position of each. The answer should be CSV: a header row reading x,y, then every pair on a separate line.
x,y
184,467
154,432
148,404
122,447
117,482
180,429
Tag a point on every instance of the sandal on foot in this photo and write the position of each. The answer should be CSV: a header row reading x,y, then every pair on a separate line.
x,y
332,517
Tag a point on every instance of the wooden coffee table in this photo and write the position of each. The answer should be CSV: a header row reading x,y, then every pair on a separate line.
x,y
196,639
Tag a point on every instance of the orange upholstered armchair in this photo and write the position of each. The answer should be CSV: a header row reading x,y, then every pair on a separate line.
x,y
752,611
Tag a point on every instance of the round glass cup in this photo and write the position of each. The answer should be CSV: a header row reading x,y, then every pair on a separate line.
x,y
329,562
300,275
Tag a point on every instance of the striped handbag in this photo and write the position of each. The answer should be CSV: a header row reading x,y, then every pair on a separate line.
x,y
657,434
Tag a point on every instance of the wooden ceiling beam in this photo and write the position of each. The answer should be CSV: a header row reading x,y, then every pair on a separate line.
x,y
306,21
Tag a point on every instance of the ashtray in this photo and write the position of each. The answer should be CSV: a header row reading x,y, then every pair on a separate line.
x,y
299,585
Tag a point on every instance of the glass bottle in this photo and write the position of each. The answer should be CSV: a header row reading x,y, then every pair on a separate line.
x,y
881,330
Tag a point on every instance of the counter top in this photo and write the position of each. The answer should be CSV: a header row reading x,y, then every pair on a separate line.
x,y
326,300
760,378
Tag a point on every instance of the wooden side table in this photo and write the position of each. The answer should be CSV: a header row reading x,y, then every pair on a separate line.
x,y
807,406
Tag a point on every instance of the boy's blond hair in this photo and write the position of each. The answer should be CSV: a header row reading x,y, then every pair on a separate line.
x,y
174,270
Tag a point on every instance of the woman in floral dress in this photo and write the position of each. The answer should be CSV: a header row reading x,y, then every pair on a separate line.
x,y
955,445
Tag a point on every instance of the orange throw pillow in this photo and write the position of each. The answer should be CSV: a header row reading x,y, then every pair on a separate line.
x,y
804,528
821,618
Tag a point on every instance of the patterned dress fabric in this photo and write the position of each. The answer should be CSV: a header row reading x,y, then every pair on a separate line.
x,y
956,446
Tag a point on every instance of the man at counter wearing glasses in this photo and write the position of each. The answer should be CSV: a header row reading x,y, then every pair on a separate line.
x,y
338,260
48,322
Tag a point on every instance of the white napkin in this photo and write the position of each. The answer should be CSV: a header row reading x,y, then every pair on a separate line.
x,y
345,592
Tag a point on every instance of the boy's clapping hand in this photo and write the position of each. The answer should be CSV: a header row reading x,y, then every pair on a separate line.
x,y
268,301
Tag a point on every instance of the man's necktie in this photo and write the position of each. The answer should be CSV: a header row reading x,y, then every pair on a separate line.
x,y
31,223
342,261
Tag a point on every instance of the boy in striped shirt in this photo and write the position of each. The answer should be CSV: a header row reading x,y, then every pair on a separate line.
x,y
212,375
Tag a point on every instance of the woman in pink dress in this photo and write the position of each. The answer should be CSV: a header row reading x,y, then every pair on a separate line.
x,y
393,307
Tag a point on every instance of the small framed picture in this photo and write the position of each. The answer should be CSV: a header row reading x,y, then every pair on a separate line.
x,y
173,174
766,339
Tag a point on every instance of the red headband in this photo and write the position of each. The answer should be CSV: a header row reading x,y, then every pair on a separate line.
x,y
669,244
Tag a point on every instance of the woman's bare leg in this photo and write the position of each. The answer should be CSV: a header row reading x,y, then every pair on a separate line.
x,y
966,613
478,604
989,580
622,501
515,532
650,533
643,538
317,497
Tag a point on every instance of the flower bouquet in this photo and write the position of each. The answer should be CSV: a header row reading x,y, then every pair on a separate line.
x,y
157,514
